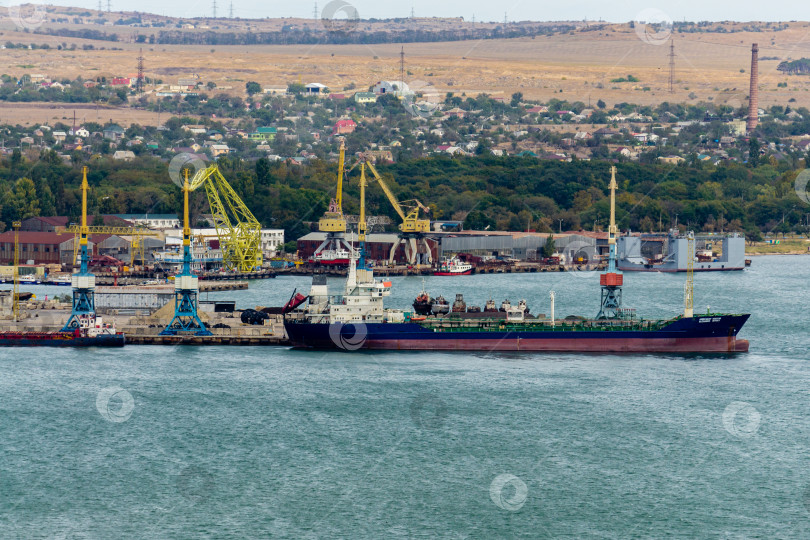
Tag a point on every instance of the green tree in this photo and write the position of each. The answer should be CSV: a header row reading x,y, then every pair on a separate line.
x,y
253,88
21,202
263,177
601,104
550,247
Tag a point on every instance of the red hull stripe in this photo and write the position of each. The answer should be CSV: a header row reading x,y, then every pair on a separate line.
x,y
655,345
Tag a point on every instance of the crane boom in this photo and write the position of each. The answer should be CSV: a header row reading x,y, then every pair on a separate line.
x,y
387,190
339,194
238,230
411,223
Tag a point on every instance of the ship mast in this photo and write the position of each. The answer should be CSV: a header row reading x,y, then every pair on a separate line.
x,y
611,281
689,286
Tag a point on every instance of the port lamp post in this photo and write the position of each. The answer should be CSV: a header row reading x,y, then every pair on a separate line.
x,y
186,287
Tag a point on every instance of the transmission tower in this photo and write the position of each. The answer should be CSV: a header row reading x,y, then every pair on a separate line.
x,y
108,6
99,7
215,9
139,81
505,18
672,66
413,14
230,11
315,12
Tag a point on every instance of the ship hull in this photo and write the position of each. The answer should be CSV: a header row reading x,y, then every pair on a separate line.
x,y
714,334
58,339
464,273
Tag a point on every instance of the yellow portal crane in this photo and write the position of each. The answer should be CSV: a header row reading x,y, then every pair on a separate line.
x,y
15,298
411,223
412,228
333,220
238,230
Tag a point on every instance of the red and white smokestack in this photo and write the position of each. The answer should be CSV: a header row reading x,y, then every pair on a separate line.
x,y
753,100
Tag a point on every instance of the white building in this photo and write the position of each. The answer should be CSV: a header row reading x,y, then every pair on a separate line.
x,y
272,241
157,222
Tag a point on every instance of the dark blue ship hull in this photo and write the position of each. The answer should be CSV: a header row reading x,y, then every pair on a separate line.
x,y
710,333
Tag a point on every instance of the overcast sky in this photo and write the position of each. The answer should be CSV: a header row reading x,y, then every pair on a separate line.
x,y
487,10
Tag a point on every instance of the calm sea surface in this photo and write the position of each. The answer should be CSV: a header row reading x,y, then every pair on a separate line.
x,y
155,442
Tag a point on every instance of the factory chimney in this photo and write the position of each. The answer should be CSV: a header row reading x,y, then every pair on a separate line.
x,y
753,100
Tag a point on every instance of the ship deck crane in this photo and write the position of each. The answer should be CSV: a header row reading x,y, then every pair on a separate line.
x,y
611,281
413,227
238,230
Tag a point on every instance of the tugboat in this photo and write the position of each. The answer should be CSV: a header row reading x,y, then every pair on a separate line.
x,y
423,303
473,309
91,332
506,305
453,267
440,306
490,306
459,306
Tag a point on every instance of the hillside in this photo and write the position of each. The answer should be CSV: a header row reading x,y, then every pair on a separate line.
x,y
710,63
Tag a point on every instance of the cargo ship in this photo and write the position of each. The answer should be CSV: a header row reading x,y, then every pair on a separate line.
x,y
358,319
90,332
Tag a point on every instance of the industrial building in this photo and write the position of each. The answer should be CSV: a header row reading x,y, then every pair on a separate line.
x,y
378,246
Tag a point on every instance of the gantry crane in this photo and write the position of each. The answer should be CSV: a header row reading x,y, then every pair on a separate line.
x,y
334,249
413,227
238,230
136,245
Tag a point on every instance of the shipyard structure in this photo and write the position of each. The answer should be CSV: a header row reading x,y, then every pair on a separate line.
x,y
673,252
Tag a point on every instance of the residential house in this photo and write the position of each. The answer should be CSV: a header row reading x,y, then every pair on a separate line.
x,y
315,89
79,132
671,160
59,136
121,81
123,155
343,127
113,132
195,129
398,88
264,134
219,150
